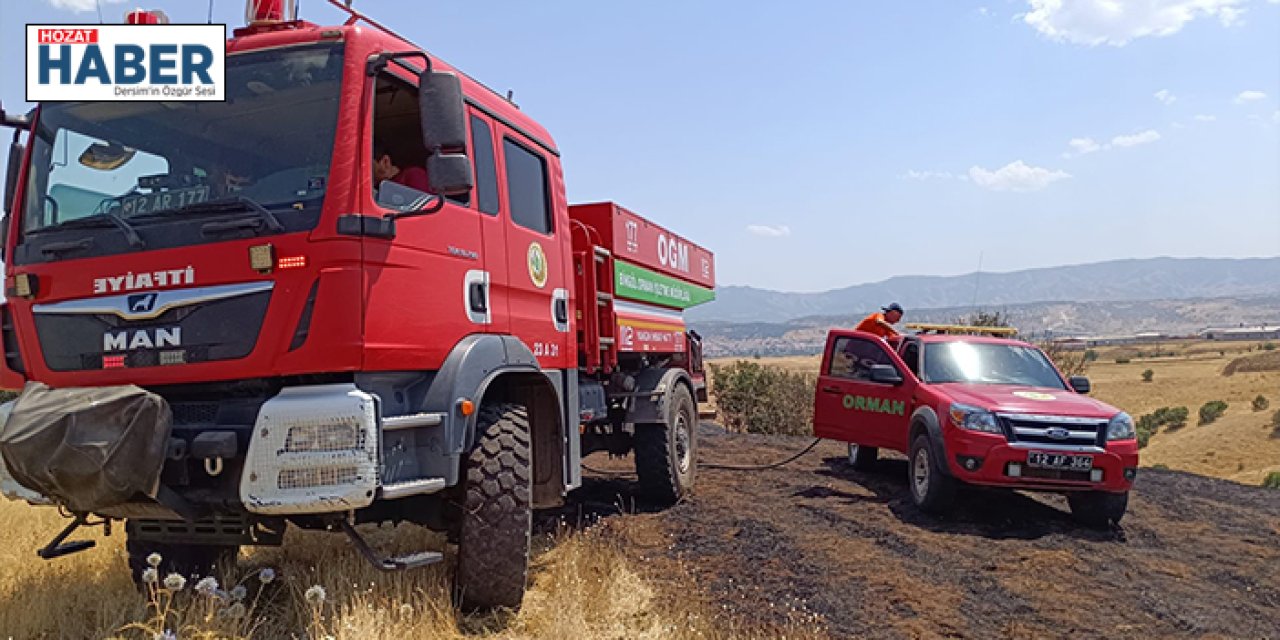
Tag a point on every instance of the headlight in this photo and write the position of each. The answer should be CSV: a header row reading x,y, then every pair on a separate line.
x,y
974,419
1120,427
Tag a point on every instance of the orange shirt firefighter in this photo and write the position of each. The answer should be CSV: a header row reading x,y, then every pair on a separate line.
x,y
881,324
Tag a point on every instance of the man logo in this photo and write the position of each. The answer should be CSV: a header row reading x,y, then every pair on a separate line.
x,y
1057,433
143,303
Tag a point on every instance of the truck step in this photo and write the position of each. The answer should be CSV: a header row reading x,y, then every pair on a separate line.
x,y
389,563
411,488
412,421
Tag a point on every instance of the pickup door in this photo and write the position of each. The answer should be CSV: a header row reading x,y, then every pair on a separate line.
x,y
849,406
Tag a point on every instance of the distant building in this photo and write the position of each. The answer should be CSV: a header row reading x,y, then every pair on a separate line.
x,y
1084,342
1260,332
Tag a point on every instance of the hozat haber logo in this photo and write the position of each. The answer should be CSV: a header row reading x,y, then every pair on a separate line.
x,y
126,62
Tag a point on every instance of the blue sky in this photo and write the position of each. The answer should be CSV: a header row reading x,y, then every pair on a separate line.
x,y
820,144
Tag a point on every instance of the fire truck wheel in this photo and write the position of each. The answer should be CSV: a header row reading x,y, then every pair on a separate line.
x,y
862,458
187,560
931,489
497,511
666,456
1097,508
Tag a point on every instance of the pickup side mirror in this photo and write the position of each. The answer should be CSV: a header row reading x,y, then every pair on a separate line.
x,y
885,374
444,133
1080,384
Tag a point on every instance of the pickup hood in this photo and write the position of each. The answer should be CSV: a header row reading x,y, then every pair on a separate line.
x,y
1031,400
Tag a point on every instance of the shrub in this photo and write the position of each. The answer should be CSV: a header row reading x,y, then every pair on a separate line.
x,y
1149,424
756,398
1148,375
1211,411
1122,361
1260,403
1269,346
1275,424
1272,481
1090,356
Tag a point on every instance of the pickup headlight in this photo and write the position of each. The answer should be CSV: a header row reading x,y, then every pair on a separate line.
x,y
974,419
1120,427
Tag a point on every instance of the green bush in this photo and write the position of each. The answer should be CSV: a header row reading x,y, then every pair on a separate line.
x,y
755,398
1149,424
1090,355
1148,375
1269,346
1260,403
1272,481
1211,411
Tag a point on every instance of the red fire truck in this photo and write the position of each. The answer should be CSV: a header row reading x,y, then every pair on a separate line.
x,y
228,317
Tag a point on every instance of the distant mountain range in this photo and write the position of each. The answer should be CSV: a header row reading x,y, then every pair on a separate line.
x,y
1113,281
1034,321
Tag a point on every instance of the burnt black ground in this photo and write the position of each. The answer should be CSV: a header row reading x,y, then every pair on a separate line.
x,y
816,540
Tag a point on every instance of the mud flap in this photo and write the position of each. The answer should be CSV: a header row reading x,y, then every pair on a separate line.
x,y
87,449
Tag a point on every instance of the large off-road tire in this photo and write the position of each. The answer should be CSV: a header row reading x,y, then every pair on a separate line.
x,y
187,560
666,454
1098,509
497,511
862,458
932,490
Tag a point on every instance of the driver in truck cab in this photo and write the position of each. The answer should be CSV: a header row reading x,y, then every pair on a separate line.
x,y
881,323
385,167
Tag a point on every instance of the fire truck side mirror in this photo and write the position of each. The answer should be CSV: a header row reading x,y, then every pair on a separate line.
x,y
449,174
444,124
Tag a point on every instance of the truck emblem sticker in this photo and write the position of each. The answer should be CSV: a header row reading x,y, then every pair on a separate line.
x,y
141,339
146,280
537,265
1057,433
1034,395
143,302
873,404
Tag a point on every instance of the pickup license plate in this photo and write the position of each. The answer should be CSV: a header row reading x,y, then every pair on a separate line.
x,y
1059,461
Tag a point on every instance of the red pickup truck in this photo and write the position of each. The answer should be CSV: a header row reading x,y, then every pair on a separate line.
x,y
978,410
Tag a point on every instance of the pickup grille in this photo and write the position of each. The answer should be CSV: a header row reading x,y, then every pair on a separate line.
x,y
1053,431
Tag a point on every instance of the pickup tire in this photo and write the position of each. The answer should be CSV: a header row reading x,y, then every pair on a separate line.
x,y
1098,509
191,561
932,490
862,458
497,511
666,456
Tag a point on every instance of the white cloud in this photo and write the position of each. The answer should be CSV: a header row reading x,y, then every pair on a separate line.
x,y
766,231
912,174
1250,96
1144,137
1082,146
1016,176
1116,23
1202,117
81,6
1165,97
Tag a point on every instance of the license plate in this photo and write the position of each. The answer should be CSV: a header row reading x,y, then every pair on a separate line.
x,y
162,200
1059,461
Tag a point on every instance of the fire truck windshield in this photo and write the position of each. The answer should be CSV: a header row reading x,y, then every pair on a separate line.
x,y
989,363
155,165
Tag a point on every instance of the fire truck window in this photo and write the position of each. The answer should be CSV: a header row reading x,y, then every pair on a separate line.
x,y
397,127
527,187
486,170
853,358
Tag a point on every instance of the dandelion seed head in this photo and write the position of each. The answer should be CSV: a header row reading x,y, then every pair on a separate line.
x,y
154,559
236,610
266,575
150,575
315,595
174,582
239,592
207,586
406,609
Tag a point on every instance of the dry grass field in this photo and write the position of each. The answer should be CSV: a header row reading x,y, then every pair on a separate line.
x,y
1239,446
587,584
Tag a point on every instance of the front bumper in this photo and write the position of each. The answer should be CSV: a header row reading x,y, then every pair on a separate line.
x,y
991,460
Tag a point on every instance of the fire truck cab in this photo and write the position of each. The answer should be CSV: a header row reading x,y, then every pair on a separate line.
x,y
352,292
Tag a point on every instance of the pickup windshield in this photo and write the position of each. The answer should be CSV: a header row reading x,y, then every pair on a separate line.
x,y
989,363
153,166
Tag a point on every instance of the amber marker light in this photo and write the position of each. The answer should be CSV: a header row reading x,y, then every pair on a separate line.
x,y
262,258
466,406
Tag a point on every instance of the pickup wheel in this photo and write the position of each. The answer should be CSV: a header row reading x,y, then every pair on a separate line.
x,y
497,511
191,561
665,451
1098,509
862,458
932,489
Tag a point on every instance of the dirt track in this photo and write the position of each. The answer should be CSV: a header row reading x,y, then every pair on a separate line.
x,y
817,540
